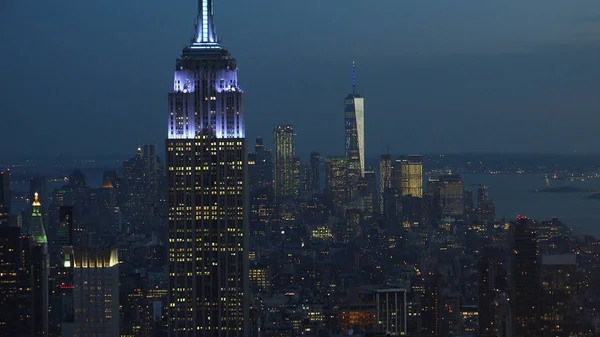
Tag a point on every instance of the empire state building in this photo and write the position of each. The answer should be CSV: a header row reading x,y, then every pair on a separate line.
x,y
207,176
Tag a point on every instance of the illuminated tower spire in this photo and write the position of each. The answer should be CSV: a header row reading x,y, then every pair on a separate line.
x,y
37,225
205,28
353,78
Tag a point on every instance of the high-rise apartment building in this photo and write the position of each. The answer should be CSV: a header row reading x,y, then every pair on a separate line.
x,y
96,292
525,279
385,178
284,162
207,190
5,198
355,134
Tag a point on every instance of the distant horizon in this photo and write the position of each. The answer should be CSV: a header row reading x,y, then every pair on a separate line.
x,y
303,156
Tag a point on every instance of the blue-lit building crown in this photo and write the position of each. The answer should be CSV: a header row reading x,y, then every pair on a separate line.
x,y
206,99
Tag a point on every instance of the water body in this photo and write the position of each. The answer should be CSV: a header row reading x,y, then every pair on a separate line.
x,y
513,196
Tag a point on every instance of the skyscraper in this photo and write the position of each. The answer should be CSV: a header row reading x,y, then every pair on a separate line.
x,y
12,320
4,198
264,167
96,291
335,185
492,282
486,208
525,278
207,190
315,172
355,134
411,176
558,301
447,191
284,162
40,269
385,178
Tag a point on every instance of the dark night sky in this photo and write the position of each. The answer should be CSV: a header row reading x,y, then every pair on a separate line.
x,y
91,77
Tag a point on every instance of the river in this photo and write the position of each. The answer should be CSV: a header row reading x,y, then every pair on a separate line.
x,y
513,196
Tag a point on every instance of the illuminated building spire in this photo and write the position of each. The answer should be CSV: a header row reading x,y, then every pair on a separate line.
x,y
37,225
353,78
205,28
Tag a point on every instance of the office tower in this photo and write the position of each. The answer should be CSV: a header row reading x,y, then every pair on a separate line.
x,y
62,301
385,178
23,285
96,292
284,162
411,176
392,206
143,179
486,208
492,283
392,310
153,173
296,169
40,269
13,320
207,190
315,171
264,163
370,195
412,210
355,134
430,307
252,173
305,181
447,191
469,206
335,184
559,307
64,235
5,198
525,278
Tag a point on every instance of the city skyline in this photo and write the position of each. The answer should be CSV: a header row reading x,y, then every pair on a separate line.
x,y
237,232
446,86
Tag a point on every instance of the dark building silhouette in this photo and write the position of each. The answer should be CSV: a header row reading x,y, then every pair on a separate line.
x,y
23,285
559,307
430,307
447,190
5,198
525,279
315,172
492,283
486,208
